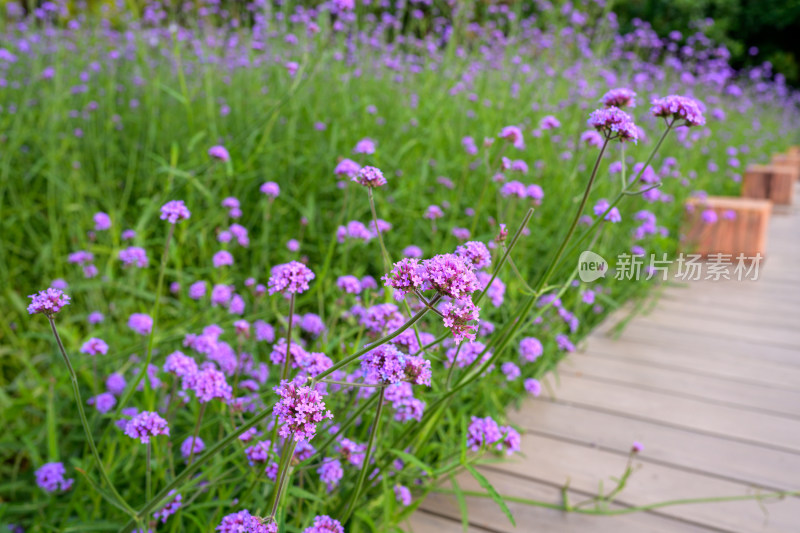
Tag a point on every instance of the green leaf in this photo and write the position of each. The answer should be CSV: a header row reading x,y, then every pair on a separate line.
x,y
462,504
302,493
407,457
493,493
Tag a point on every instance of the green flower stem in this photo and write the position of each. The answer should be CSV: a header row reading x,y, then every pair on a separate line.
x,y
148,484
148,507
557,258
342,428
283,474
367,455
626,510
85,423
387,261
623,193
286,363
196,431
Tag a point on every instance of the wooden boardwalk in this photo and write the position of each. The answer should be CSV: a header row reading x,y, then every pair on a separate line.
x,y
708,381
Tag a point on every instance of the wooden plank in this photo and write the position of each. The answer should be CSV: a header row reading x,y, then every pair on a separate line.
x,y
756,397
430,522
713,328
683,340
741,367
485,513
684,306
759,428
556,461
738,461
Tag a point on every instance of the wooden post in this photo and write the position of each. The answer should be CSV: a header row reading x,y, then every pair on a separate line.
x,y
740,227
791,162
771,182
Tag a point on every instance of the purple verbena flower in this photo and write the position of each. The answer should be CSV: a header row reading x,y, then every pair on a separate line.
x,y
134,256
325,524
370,177
140,323
299,410
145,425
186,447
47,302
50,477
385,364
456,318
210,383
174,210
219,152
292,277
620,98
169,508
614,123
476,253
94,346
103,402
679,108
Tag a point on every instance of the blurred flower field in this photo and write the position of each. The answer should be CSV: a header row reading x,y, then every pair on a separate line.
x,y
297,262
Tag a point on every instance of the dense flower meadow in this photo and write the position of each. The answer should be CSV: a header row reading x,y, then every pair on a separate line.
x,y
289,266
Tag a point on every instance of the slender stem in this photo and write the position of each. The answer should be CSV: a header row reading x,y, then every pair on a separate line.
x,y
344,425
135,382
502,261
285,372
576,218
283,469
148,485
625,510
148,507
387,261
84,422
196,431
367,455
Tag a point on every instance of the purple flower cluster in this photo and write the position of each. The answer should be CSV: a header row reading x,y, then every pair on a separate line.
x,y
170,508
133,256
292,277
530,349
385,364
174,210
456,317
614,123
330,472
94,346
145,425
299,411
513,134
679,108
370,177
476,253
103,402
325,524
244,522
621,97
47,302
485,433
210,383
186,447
140,323
50,477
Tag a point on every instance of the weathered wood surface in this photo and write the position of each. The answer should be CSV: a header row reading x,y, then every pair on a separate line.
x,y
709,382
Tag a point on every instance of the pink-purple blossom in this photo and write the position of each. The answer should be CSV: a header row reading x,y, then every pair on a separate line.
x,y
679,108
145,425
292,278
48,302
174,210
299,410
50,477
